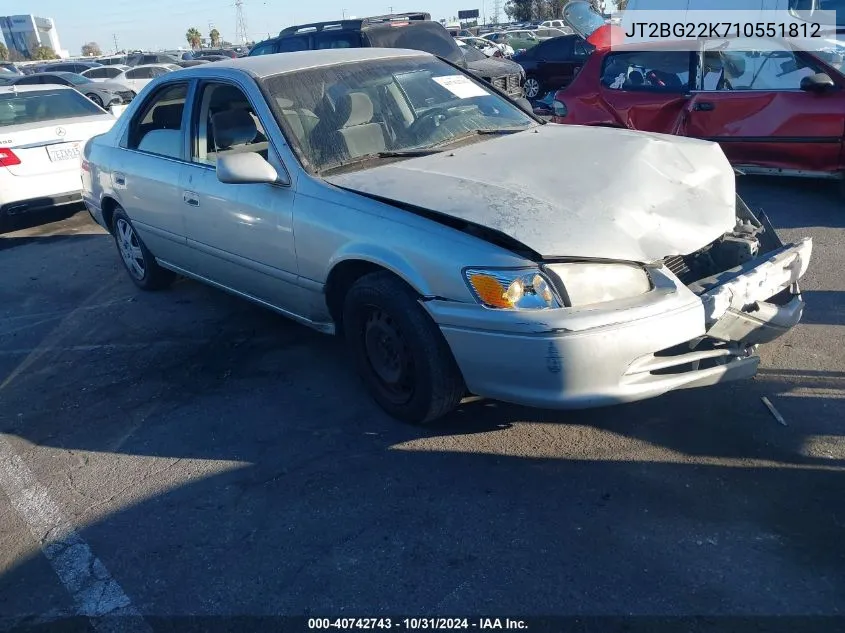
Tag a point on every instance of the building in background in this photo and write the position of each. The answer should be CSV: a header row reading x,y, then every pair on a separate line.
x,y
25,33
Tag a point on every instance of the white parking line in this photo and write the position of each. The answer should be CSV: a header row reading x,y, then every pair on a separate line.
x,y
95,593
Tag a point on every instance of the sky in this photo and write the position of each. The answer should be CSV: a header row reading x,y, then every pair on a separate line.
x,y
155,24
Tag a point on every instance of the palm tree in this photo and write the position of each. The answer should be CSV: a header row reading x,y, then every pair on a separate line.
x,y
194,37
215,38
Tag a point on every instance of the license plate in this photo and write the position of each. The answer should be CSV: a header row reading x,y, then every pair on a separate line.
x,y
64,151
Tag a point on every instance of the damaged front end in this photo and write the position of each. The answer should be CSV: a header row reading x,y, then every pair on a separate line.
x,y
748,284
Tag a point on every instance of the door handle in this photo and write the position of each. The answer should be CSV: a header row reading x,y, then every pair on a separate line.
x,y
704,106
119,179
191,198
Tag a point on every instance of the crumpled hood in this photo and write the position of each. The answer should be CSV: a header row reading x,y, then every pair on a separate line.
x,y
573,191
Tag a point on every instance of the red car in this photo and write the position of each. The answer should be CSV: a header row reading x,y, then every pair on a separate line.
x,y
773,111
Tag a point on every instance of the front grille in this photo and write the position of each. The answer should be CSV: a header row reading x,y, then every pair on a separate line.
x,y
500,82
125,95
513,82
677,265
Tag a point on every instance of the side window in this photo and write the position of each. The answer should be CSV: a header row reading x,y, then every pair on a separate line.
x,y
263,49
755,70
581,49
157,72
225,124
556,49
28,81
291,44
647,71
157,128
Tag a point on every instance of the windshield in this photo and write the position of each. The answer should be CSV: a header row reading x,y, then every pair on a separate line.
x,y
833,54
334,116
472,54
44,105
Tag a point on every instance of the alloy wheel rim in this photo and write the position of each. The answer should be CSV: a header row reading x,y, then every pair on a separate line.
x,y
130,249
531,88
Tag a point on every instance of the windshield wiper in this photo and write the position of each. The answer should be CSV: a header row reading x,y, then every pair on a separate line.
x,y
408,153
503,130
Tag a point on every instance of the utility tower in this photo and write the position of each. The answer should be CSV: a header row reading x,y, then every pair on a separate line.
x,y
240,22
497,9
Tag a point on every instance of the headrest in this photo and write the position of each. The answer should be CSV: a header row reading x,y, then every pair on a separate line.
x,y
163,142
355,108
168,116
233,127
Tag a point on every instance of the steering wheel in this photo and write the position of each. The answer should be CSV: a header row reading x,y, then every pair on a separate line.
x,y
429,117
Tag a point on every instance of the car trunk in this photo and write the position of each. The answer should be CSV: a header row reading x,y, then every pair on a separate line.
x,y
40,149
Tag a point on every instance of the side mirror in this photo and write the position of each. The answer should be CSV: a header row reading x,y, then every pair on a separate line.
x,y
247,168
817,83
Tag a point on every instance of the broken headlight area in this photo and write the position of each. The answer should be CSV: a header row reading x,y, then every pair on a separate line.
x,y
751,237
747,281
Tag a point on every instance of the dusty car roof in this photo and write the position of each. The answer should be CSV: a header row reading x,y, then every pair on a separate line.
x,y
32,88
267,65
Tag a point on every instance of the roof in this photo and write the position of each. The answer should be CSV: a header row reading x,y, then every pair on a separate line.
x,y
267,65
32,88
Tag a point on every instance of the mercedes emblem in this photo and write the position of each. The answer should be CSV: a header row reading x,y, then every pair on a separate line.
x,y
60,131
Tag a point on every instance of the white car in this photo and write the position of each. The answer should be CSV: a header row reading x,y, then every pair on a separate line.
x,y
487,47
42,131
139,76
105,73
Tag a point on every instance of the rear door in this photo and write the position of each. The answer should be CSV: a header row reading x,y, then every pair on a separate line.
x,y
752,104
647,90
148,171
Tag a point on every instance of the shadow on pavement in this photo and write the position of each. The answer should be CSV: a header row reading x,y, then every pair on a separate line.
x,y
276,487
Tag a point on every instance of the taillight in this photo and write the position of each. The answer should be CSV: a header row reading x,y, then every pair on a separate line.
x,y
8,158
85,165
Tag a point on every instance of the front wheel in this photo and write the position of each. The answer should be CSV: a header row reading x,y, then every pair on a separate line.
x,y
137,259
532,87
96,99
400,353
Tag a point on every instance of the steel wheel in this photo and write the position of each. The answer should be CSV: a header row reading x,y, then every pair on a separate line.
x,y
96,99
130,249
389,355
531,87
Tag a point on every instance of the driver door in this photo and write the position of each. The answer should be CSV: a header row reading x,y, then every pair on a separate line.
x,y
752,104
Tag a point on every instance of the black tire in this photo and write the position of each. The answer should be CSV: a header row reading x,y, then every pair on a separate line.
x,y
147,275
96,99
422,382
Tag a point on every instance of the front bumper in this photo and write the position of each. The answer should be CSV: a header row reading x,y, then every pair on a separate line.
x,y
577,358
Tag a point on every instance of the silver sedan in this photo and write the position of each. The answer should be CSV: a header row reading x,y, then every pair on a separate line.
x,y
458,244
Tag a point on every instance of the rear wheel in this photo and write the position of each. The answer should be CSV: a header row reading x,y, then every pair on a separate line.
x,y
137,259
532,87
400,353
96,99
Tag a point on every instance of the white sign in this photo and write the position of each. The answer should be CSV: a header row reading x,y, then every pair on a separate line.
x,y
461,86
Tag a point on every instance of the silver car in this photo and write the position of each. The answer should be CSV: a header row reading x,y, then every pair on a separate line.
x,y
104,93
456,242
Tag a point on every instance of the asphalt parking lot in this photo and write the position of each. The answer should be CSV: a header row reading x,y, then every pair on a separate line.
x,y
213,459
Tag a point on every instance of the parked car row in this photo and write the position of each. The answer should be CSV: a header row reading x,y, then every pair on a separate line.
x,y
408,30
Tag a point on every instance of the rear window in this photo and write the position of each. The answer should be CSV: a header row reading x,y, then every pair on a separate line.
x,y
44,105
429,37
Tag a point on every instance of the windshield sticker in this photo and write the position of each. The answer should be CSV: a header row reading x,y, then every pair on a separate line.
x,y
461,86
